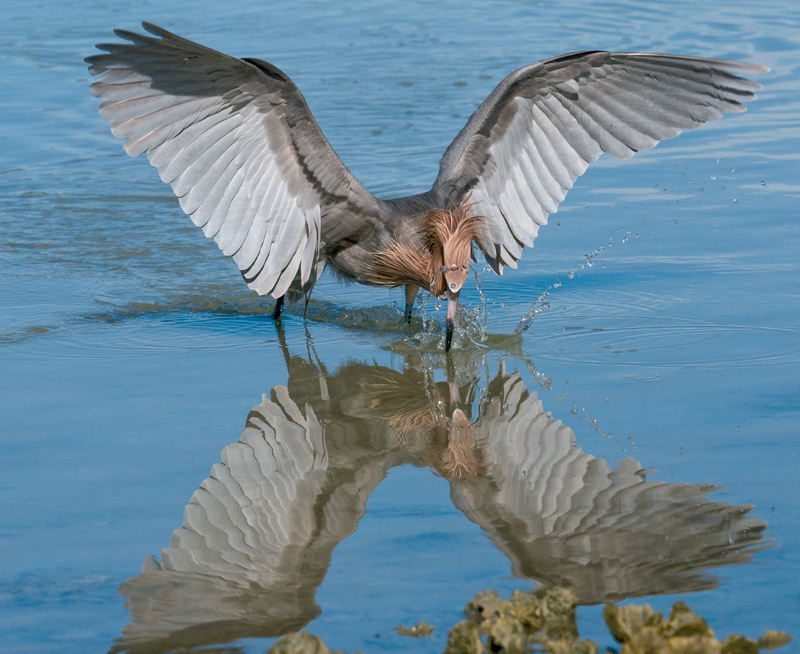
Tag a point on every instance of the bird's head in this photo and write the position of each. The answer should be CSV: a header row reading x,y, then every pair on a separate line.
x,y
450,236
435,258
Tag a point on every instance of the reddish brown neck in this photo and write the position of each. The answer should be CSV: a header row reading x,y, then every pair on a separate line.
x,y
437,260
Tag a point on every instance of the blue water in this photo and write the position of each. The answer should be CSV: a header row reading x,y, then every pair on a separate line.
x,y
132,355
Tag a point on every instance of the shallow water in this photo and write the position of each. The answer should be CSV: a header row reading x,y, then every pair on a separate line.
x,y
178,471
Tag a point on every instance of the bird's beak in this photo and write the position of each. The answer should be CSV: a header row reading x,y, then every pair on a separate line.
x,y
452,304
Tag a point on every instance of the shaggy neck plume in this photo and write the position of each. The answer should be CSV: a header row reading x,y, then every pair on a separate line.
x,y
437,259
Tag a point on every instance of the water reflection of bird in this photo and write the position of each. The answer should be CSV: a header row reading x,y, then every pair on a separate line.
x,y
258,535
239,146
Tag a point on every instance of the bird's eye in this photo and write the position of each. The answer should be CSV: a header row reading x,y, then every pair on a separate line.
x,y
452,287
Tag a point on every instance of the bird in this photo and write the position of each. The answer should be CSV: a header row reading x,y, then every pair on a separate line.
x,y
241,150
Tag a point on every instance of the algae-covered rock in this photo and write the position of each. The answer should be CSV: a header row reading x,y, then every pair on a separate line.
x,y
571,647
552,616
526,608
464,638
644,631
525,623
485,608
300,643
694,645
559,602
419,630
685,622
773,639
511,625
507,635
736,644
646,640
585,647
558,615
625,621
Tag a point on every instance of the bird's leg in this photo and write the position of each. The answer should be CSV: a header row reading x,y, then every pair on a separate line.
x,y
411,294
278,306
450,319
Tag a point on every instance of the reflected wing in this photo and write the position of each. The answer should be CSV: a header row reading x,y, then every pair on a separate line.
x,y
567,519
528,142
239,146
256,539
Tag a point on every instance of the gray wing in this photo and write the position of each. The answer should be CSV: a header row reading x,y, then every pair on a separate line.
x,y
528,142
238,144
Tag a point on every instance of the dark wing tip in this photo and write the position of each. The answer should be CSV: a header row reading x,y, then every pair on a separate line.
x,y
150,27
268,69
160,31
721,64
127,34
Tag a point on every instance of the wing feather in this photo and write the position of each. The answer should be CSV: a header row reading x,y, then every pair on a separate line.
x,y
543,202
241,150
537,132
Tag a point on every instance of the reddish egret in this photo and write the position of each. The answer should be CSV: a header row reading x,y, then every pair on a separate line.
x,y
238,144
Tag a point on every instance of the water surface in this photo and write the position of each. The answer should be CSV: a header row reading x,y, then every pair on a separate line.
x,y
180,472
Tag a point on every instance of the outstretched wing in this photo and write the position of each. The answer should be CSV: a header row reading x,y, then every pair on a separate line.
x,y
238,144
527,143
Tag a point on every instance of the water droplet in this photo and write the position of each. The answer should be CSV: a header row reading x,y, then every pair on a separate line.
x,y
763,183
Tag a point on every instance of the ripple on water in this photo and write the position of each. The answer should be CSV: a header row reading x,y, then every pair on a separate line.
x,y
187,325
679,345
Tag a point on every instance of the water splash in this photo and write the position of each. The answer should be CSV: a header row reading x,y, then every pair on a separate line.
x,y
541,302
539,305
484,305
472,323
